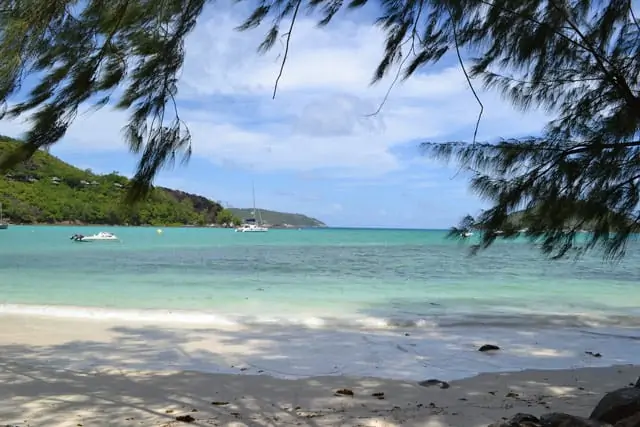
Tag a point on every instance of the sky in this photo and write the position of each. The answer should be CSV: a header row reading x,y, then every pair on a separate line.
x,y
315,148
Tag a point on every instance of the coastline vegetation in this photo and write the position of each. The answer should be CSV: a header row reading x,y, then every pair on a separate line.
x,y
46,190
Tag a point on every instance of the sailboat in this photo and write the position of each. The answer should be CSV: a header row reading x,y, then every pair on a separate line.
x,y
3,225
250,225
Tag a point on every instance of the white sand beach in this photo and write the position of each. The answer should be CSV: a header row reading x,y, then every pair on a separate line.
x,y
57,372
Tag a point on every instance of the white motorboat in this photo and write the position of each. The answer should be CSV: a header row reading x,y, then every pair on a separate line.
x,y
103,236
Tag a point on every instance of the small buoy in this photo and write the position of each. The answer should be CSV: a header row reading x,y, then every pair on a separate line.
x,y
159,231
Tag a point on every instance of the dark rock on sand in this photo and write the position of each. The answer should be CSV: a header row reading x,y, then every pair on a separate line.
x,y
344,392
637,383
632,421
185,418
434,382
488,347
557,419
519,420
554,419
617,405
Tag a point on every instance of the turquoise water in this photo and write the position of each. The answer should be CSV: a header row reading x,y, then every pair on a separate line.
x,y
293,303
358,277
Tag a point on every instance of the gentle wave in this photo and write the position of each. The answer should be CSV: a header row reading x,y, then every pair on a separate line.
x,y
457,320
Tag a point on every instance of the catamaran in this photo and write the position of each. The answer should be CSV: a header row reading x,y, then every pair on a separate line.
x,y
250,225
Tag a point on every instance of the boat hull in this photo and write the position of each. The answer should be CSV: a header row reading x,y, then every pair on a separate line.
x,y
100,237
4,226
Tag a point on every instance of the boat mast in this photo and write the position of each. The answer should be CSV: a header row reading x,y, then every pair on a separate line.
x,y
253,191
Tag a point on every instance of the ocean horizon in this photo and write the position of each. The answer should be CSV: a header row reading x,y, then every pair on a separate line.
x,y
411,296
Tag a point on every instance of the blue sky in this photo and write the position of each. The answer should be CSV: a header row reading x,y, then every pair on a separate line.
x,y
313,149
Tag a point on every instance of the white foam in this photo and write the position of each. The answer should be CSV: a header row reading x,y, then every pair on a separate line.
x,y
331,320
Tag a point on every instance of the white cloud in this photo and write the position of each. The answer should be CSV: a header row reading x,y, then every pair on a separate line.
x,y
319,118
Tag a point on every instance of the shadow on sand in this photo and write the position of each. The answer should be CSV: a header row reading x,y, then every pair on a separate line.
x,y
92,383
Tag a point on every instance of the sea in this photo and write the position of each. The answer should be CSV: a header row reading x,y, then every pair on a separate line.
x,y
405,304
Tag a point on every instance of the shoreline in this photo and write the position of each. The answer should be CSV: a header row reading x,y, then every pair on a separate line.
x,y
294,351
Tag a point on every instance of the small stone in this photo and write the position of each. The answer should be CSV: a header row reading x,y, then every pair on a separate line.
x,y
488,347
185,418
345,392
591,353
219,403
434,382
378,394
518,420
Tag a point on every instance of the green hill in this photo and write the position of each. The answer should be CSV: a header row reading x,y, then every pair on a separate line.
x,y
46,190
280,219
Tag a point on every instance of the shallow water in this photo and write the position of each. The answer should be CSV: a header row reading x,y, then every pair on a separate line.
x,y
359,289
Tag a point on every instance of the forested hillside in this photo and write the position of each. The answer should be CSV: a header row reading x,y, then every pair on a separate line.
x,y
47,190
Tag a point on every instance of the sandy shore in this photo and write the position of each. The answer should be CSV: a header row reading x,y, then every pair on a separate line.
x,y
56,372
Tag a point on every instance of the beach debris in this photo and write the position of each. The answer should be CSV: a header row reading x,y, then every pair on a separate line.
x,y
185,418
378,395
219,403
488,347
344,392
591,353
617,405
168,411
309,414
434,382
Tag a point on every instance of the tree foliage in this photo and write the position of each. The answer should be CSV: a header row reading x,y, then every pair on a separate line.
x,y
225,217
578,59
80,53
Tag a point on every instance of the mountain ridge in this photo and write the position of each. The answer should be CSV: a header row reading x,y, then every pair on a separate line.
x,y
48,190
